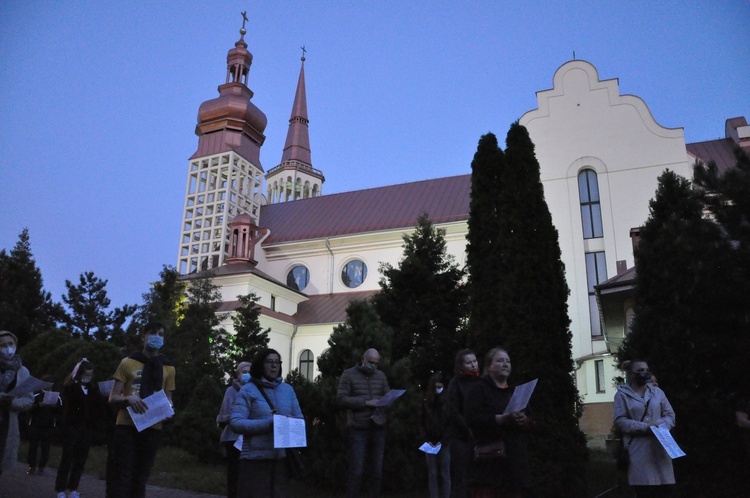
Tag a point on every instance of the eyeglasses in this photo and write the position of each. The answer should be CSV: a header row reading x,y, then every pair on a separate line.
x,y
272,362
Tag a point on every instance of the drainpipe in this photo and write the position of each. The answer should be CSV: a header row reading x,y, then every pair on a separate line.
x,y
328,246
291,347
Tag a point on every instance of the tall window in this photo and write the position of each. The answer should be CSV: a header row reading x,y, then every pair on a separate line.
x,y
596,273
591,211
599,364
307,364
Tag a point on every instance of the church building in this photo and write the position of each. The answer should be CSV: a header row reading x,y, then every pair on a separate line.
x,y
307,255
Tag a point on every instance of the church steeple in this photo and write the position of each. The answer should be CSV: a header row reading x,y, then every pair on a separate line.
x,y
225,174
295,177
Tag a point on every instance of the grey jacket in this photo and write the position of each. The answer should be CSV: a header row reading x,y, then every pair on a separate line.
x,y
357,385
650,465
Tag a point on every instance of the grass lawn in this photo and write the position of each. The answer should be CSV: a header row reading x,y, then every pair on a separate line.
x,y
175,468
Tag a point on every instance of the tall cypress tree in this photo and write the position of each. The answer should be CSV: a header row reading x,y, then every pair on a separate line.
x,y
26,309
519,302
686,327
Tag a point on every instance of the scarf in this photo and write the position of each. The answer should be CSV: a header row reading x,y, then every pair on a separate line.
x,y
9,366
152,378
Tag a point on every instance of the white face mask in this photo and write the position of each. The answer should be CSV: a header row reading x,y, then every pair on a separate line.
x,y
8,350
438,390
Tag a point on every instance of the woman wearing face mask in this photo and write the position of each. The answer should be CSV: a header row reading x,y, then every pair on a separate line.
x,y
434,424
82,413
228,436
11,373
263,471
639,405
466,369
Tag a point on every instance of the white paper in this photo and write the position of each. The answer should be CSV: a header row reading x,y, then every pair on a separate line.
x,y
50,397
159,408
667,441
289,432
521,396
390,397
29,385
238,443
430,449
105,387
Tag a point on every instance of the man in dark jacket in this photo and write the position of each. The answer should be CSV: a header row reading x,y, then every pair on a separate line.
x,y
360,387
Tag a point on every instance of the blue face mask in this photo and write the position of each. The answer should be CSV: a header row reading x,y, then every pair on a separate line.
x,y
155,342
245,378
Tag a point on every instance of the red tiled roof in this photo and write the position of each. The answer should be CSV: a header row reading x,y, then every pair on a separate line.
x,y
721,151
328,308
392,207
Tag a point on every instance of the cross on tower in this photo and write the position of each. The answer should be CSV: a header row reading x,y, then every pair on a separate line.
x,y
244,19
304,51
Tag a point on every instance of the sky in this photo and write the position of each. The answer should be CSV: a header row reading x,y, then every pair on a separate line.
x,y
99,100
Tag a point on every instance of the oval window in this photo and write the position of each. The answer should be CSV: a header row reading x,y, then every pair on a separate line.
x,y
354,273
298,278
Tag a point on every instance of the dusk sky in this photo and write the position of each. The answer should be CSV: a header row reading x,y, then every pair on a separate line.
x,y
99,100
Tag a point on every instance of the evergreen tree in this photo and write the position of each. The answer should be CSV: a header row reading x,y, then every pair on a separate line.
x,y
165,301
423,302
26,309
88,315
195,425
686,327
248,337
519,301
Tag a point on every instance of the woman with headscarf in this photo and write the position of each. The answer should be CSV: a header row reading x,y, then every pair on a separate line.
x,y
228,436
12,372
263,470
639,405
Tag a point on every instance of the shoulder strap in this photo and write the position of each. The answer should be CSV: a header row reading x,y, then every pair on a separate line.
x,y
268,400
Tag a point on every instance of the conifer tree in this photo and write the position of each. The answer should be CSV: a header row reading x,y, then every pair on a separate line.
x,y
248,337
26,308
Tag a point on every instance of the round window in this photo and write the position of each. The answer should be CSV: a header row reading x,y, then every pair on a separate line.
x,y
298,278
354,273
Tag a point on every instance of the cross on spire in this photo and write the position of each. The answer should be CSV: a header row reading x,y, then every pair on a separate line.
x,y
244,19
304,51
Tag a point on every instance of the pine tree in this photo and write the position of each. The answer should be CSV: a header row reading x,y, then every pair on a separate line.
x,y
686,326
248,337
26,309
423,302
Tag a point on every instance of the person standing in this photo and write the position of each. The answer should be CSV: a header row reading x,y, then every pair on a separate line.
x,y
639,405
466,369
360,387
12,372
83,411
228,436
138,376
434,429
42,423
263,471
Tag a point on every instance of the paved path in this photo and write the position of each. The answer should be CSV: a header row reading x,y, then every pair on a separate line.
x,y
14,483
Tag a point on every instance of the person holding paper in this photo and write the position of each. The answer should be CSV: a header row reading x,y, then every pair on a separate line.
x,y
228,436
640,405
485,412
42,423
83,412
360,388
466,371
138,376
263,471
12,372
434,431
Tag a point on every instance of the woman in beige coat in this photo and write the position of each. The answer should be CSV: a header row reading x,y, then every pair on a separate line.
x,y
639,406
11,374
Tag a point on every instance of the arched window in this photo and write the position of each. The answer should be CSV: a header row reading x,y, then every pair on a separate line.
x,y
298,278
354,273
591,211
307,364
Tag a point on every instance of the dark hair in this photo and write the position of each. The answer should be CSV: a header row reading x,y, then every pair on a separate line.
x,y
429,395
83,367
459,365
152,327
256,367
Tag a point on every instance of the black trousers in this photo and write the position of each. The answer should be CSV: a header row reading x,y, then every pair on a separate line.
x,y
233,468
135,453
76,445
39,438
263,479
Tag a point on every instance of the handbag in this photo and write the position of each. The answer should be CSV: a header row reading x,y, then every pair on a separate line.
x,y
622,452
295,461
494,450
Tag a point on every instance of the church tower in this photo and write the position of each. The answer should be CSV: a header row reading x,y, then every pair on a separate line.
x,y
225,174
295,178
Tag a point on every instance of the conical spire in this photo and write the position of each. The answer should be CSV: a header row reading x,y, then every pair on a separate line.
x,y
297,146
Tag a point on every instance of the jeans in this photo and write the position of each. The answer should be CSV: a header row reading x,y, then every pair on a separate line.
x,y
439,470
365,445
75,452
135,453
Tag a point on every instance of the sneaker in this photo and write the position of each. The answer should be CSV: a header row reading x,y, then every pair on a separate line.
x,y
31,471
74,494
61,494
